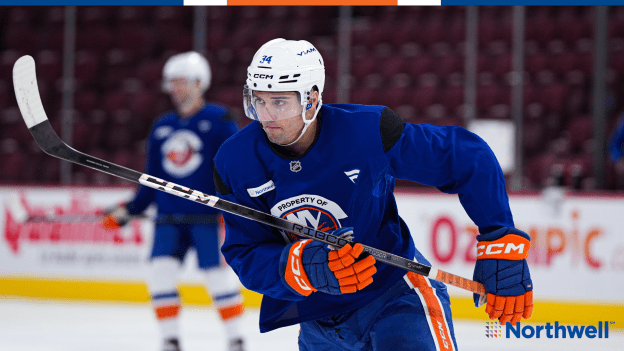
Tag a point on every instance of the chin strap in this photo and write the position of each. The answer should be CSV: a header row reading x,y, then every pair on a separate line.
x,y
306,123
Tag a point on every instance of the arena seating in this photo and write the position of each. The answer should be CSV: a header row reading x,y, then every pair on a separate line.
x,y
410,59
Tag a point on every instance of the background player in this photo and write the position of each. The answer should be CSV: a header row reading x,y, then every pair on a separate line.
x,y
181,147
333,167
616,142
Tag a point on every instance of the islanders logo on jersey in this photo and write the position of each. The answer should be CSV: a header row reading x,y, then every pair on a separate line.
x,y
180,152
310,211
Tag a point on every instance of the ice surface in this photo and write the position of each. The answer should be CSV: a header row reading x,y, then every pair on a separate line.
x,y
28,325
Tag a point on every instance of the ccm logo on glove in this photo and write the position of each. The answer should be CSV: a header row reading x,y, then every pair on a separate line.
x,y
502,267
295,273
509,247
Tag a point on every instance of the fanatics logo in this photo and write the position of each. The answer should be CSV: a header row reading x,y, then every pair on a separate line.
x,y
295,166
353,174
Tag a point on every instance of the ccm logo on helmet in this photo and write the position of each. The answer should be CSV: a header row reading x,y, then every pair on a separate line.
x,y
263,76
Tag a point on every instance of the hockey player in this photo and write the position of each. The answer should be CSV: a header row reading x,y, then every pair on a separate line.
x,y
333,167
616,142
616,151
181,147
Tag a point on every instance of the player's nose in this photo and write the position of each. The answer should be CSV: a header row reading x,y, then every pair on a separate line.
x,y
271,117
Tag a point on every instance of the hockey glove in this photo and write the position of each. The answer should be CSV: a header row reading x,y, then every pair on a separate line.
x,y
115,218
501,266
307,266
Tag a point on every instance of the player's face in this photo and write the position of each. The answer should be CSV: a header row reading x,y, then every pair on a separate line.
x,y
280,115
183,91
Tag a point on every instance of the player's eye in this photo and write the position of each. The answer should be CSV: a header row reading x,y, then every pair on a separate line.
x,y
258,101
279,102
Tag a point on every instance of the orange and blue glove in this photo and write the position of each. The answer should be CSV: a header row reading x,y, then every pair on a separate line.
x,y
502,268
307,266
115,218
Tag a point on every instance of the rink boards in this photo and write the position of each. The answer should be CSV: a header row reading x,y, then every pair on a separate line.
x,y
576,259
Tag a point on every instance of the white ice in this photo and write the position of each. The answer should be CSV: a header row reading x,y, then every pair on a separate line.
x,y
29,325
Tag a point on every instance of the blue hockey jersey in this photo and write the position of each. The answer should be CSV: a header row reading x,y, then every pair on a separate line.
x,y
181,150
616,142
346,178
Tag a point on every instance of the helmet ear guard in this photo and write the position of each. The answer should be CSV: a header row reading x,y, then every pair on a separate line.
x,y
309,102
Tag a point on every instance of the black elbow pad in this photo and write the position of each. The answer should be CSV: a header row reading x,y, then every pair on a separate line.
x,y
391,128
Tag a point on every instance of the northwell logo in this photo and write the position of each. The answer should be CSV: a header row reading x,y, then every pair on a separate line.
x,y
550,331
266,187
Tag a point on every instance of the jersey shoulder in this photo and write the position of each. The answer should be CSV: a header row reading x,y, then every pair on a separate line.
x,y
217,110
163,125
352,110
366,123
351,119
220,121
165,118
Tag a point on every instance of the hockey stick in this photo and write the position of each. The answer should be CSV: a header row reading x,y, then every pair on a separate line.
x,y
64,218
14,204
27,94
72,218
94,218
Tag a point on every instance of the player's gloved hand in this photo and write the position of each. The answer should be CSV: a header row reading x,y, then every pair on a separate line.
x,y
307,266
116,217
501,266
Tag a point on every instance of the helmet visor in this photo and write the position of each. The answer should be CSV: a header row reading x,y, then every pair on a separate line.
x,y
271,106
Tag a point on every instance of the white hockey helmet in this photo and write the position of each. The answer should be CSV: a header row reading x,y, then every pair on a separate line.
x,y
283,65
190,65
